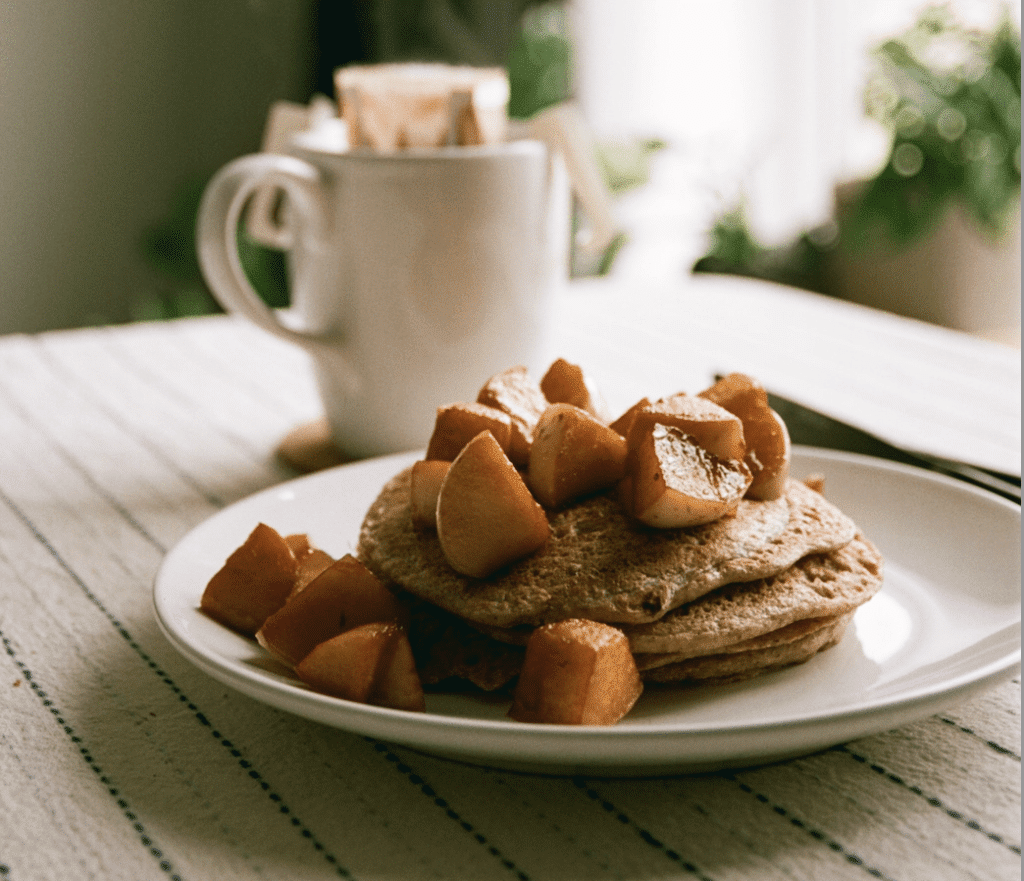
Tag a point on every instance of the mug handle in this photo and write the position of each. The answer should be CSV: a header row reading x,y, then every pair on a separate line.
x,y
221,209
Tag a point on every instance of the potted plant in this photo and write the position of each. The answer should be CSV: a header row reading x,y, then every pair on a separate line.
x,y
936,233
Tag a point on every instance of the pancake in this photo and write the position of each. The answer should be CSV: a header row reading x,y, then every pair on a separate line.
x,y
728,667
819,585
600,564
791,633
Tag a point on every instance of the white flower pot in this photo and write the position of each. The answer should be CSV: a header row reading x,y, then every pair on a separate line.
x,y
959,277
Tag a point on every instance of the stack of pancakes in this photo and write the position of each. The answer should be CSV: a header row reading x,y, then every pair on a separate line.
x,y
758,591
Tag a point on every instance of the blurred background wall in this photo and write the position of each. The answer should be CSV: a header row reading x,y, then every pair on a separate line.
x,y
108,109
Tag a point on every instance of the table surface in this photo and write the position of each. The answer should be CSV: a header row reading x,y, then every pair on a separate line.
x,y
119,759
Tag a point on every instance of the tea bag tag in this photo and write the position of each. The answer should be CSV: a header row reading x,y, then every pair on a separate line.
x,y
565,131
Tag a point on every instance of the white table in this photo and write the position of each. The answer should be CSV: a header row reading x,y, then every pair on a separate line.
x,y
118,759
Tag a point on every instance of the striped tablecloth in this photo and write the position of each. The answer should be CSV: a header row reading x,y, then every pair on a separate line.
x,y
120,760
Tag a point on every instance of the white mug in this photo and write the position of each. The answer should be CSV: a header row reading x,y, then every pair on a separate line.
x,y
415,275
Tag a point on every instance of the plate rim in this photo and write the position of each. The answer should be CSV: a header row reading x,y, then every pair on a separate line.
x,y
594,745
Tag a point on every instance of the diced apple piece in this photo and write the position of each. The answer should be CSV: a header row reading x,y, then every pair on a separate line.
x,y
310,560
486,517
623,424
768,456
513,392
299,543
425,486
711,426
370,664
738,393
309,567
398,682
765,432
576,672
573,454
566,383
815,482
343,596
253,583
455,425
346,664
675,482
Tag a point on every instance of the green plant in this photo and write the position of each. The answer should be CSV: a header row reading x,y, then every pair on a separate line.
x,y
950,99
170,250
733,250
539,61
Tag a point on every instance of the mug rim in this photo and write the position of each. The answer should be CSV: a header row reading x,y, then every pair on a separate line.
x,y
308,143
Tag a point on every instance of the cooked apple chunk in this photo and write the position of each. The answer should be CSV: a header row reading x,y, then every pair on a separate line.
x,y
486,517
513,392
372,664
573,454
310,565
253,583
675,482
566,383
713,427
299,543
310,560
623,424
768,444
768,455
343,596
425,486
455,425
576,672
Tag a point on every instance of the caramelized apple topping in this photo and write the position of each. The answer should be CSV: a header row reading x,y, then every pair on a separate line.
x,y
253,583
425,486
675,482
486,516
716,429
624,423
513,392
371,664
566,383
345,595
767,439
573,455
576,672
455,425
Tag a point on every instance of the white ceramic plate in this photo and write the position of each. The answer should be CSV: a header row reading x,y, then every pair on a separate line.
x,y
945,625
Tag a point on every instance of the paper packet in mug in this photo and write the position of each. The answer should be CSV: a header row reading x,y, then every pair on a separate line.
x,y
398,106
